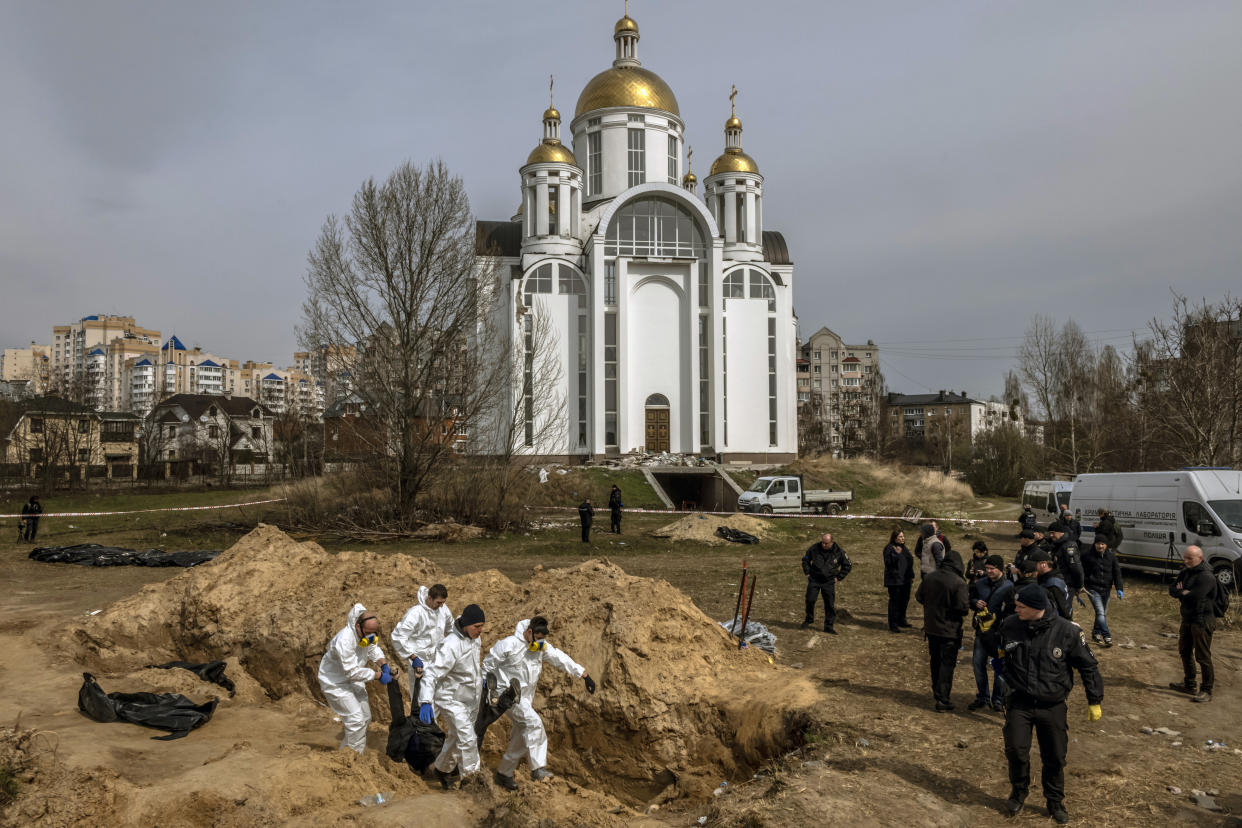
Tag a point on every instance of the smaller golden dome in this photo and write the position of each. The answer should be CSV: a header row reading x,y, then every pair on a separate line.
x,y
551,152
689,178
550,114
625,24
734,161
733,123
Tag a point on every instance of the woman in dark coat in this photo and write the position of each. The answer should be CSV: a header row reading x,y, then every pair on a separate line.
x,y
898,577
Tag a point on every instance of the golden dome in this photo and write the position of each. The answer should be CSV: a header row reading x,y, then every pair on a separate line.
x,y
733,123
631,86
689,178
551,153
551,114
625,24
734,161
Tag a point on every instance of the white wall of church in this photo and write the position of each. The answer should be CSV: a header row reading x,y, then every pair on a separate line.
x,y
748,375
658,361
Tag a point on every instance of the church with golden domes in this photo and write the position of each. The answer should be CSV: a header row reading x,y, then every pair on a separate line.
x,y
671,305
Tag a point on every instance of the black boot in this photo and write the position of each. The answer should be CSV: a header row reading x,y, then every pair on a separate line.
x,y
1057,811
506,782
1016,799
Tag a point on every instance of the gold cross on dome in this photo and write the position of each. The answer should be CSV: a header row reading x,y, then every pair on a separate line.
x,y
689,156
732,96
551,81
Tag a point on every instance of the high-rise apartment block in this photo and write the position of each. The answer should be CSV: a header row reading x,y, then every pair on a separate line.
x,y
839,391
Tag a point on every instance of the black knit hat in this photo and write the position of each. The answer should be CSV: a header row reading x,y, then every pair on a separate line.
x,y
1056,526
1040,557
1027,533
996,561
979,545
472,614
1033,596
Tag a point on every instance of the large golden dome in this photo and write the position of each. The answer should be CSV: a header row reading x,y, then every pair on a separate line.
x,y
549,153
734,161
630,86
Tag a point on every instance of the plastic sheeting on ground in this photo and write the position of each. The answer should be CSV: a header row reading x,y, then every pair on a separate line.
x,y
162,711
735,535
408,738
212,671
754,634
94,554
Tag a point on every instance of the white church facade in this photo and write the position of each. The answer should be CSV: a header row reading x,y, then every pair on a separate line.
x,y
672,310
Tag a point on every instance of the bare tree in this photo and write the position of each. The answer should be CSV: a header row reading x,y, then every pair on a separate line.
x,y
396,278
813,433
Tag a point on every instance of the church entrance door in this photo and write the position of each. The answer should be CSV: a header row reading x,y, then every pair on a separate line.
x,y
657,423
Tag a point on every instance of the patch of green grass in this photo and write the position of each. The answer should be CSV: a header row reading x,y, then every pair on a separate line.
x,y
9,786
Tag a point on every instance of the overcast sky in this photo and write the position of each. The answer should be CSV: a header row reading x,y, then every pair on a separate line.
x,y
941,171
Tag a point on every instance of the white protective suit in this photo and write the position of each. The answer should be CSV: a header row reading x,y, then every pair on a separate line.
x,y
511,658
420,632
451,683
343,674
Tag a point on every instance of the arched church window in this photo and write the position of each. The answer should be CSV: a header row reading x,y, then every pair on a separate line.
x,y
735,285
761,288
656,400
568,283
654,227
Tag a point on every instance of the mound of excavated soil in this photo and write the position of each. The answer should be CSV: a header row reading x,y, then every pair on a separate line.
x,y
702,528
678,709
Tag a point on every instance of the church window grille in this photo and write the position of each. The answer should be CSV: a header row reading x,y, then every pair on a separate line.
x,y
553,197
610,283
528,384
771,380
610,380
724,376
595,166
704,285
672,159
740,202
637,156
761,288
654,227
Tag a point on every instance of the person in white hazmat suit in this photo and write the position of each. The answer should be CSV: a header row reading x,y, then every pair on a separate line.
x,y
452,683
521,657
343,674
421,630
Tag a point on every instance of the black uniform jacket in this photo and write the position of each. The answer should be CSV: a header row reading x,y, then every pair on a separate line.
x,y
1041,656
825,566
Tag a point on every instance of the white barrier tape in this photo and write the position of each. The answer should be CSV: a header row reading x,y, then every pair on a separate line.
x,y
804,515
144,511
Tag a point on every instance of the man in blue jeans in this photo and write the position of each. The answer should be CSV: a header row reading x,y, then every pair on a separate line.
x,y
1102,573
987,598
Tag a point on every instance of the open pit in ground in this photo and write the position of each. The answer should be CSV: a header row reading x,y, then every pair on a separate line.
x,y
679,707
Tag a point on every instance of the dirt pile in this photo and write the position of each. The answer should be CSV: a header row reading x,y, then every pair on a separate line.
x,y
46,791
702,528
679,708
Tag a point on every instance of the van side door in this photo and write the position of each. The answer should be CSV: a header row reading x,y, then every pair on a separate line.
x,y
795,494
776,494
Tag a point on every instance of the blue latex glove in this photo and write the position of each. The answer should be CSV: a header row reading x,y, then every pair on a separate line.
x,y
424,713
416,663
385,674
1120,595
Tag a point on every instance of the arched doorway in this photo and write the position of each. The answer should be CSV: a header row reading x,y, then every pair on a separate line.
x,y
657,409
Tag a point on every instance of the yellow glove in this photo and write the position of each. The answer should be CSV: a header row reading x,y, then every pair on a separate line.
x,y
1094,713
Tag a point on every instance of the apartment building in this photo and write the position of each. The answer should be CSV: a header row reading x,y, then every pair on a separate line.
x,y
27,369
919,416
88,357
840,386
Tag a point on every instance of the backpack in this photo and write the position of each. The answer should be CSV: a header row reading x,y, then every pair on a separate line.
x,y
1220,604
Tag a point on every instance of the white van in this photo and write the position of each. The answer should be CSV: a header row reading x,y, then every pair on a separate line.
x,y
1046,497
1161,513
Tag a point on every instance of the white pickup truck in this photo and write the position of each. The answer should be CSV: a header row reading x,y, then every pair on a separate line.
x,y
785,493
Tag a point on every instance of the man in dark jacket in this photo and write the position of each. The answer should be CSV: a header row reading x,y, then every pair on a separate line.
x,y
1065,555
586,514
974,566
1027,519
1073,528
1102,573
1196,590
945,603
1049,577
988,598
30,516
1106,527
1040,653
614,507
1026,546
824,564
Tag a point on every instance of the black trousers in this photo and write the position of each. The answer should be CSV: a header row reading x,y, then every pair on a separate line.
x,y
942,654
32,528
1052,732
898,601
586,531
1194,644
829,590
616,521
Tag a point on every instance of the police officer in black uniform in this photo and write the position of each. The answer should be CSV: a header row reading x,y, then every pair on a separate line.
x,y
1066,556
1027,519
1041,652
